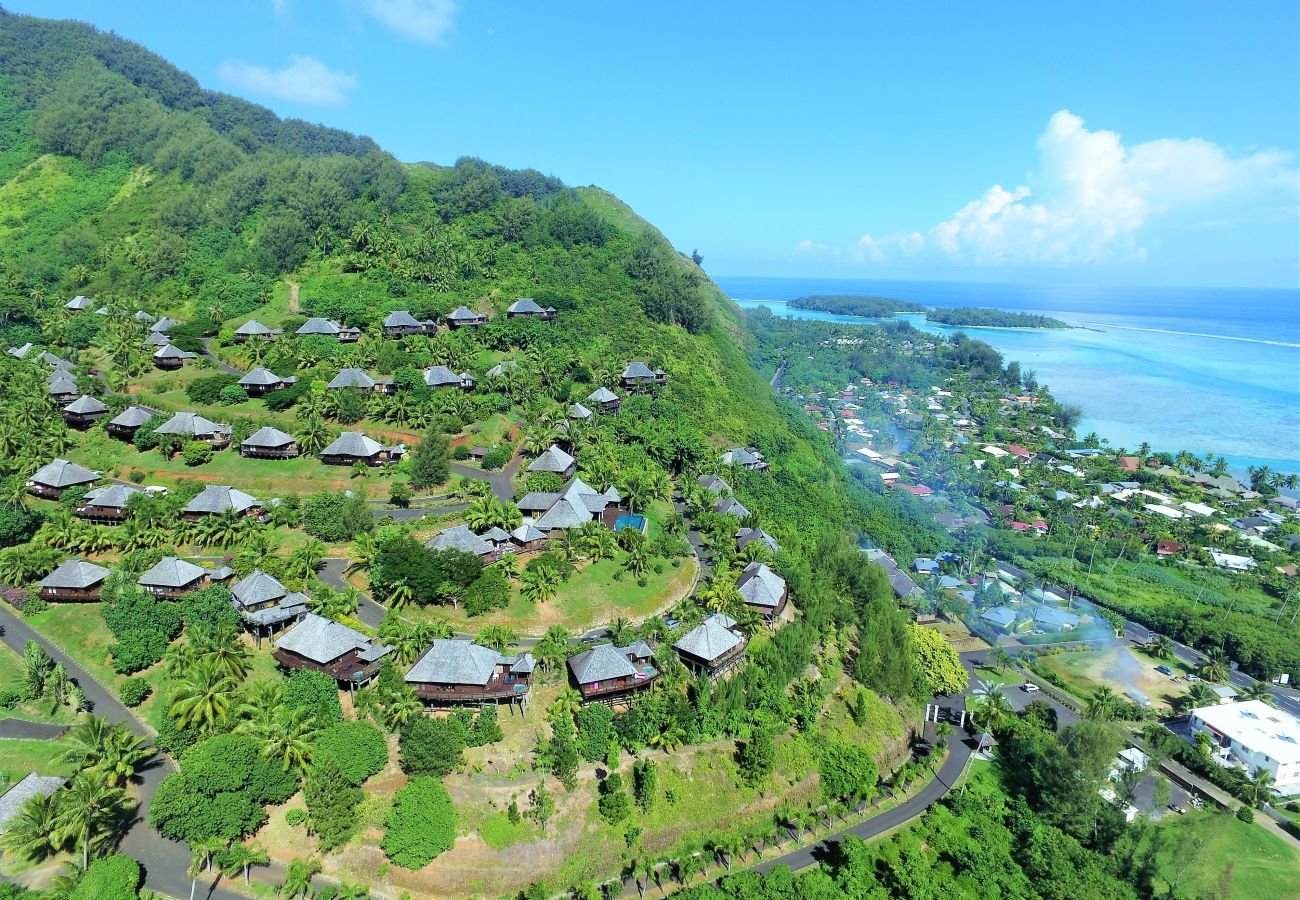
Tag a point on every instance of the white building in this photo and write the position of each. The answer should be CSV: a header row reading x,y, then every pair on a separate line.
x,y
1254,735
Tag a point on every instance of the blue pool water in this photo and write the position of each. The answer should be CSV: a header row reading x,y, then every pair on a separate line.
x,y
629,521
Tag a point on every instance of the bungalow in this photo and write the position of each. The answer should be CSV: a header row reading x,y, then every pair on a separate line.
x,y
352,447
32,785
459,537
78,304
173,577
638,376
1231,561
1054,619
157,339
84,412
527,307
261,381
75,579
269,443
163,325
613,675
326,327
62,386
746,536
714,483
499,538
126,423
463,673
170,357
255,329
713,647
995,452
360,380
899,580
579,413
1016,450
107,505
264,604
745,457
193,426
53,478
555,462
1003,618
400,323
216,499
527,538
576,505
1166,547
463,317
763,590
319,644
441,376
1128,463
730,506
1225,693
501,368
916,490
605,400
925,565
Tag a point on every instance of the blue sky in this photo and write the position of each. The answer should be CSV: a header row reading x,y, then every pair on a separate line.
x,y
1110,143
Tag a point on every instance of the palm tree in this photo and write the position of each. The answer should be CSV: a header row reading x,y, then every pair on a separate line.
x,y
1214,667
497,637
289,740
1161,647
618,630
203,697
637,561
364,550
1258,690
1260,787
1200,695
669,738
90,811
33,833
297,881
566,704
992,707
539,583
553,648
304,561
109,749
222,648
1102,705
240,858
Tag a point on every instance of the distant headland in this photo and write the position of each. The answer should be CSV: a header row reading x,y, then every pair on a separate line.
x,y
961,317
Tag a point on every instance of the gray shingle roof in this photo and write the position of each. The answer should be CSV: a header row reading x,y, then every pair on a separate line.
x,y
57,362
323,640
261,376
318,326
459,537
115,496
192,424
171,572
400,319
85,405
441,375
501,368
527,533
132,417
553,460
75,573
217,498
157,339
526,305
599,664
353,443
352,378
579,412
730,506
142,316
462,313
78,302
253,327
60,474
716,484
638,369
747,535
495,535
164,325
257,588
22,351
455,662
760,586
171,351
32,785
523,664
742,456
62,383
1001,616
602,395
710,639
266,436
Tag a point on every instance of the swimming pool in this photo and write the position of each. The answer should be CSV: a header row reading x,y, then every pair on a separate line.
x,y
628,520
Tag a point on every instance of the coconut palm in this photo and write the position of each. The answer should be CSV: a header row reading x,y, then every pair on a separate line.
x,y
1259,789
313,435
109,749
1258,690
619,630
304,561
203,697
1102,705
1214,667
33,834
364,550
240,858
539,583
222,648
297,880
1200,694
637,561
1161,647
553,648
91,811
566,704
497,637
289,740
992,708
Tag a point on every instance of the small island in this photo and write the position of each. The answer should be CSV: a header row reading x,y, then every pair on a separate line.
x,y
873,307
981,317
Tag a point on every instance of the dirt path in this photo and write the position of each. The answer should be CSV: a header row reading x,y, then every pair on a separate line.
x,y
293,298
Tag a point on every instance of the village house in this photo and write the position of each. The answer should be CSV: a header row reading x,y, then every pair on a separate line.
x,y
613,675
1053,619
605,400
527,538
319,644
253,329
459,537
352,447
1003,618
265,605
555,462
746,458
330,328
172,577
746,536
637,376
261,382
126,423
579,413
359,380
730,506
400,323
1231,561
714,647
715,484
74,580
763,590
442,377
84,412
462,673
107,505
1253,736
269,443
464,317
53,478
1167,547
194,427
576,505
163,325
527,307
170,357
78,304
63,387
216,499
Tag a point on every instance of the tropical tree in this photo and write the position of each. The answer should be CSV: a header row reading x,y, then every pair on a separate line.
x,y
91,812
108,749
1260,787
497,637
33,834
1258,690
539,583
222,648
1214,667
240,858
203,697
297,880
1102,705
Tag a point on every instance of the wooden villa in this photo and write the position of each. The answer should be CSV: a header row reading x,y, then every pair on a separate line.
x,y
84,412
323,645
75,580
216,499
352,447
126,423
763,590
261,381
605,400
613,675
53,478
462,673
255,330
464,317
637,376
169,357
459,537
714,647
173,577
528,308
107,505
269,443
400,323
192,426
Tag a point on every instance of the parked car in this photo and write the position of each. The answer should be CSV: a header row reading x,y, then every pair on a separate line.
x,y
1029,687
1164,670
1178,809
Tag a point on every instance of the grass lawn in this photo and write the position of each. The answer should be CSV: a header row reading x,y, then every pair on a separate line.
x,y
1212,854
1083,671
11,678
20,758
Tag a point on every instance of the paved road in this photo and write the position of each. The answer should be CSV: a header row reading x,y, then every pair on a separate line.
x,y
22,730
165,861
501,481
207,351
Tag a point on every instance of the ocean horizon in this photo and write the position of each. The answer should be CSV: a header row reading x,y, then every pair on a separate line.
x,y
1209,370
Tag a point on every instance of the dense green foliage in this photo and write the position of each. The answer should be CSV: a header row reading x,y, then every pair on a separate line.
x,y
420,824
873,307
990,318
430,746
331,802
358,748
315,693
115,877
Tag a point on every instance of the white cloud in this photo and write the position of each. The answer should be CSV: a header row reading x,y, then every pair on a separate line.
x,y
1094,200
305,80
423,21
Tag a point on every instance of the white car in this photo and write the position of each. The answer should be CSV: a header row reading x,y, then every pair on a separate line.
x,y
1029,687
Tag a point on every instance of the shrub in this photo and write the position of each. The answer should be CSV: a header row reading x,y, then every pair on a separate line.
x,y
595,731
232,394
115,877
429,460
206,391
431,746
197,453
134,691
136,476
144,438
10,697
295,817
16,524
497,457
335,516
315,692
332,802
34,606
613,804
461,452
359,749
1245,813
489,591
420,825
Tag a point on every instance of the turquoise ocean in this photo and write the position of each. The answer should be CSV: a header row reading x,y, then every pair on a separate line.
x,y
1198,369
